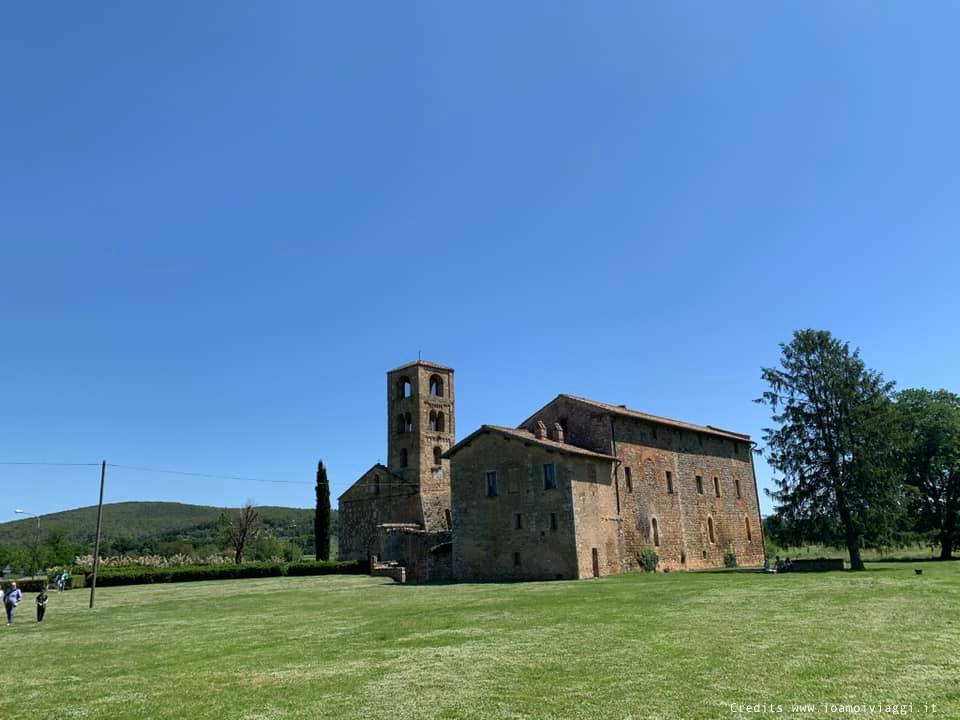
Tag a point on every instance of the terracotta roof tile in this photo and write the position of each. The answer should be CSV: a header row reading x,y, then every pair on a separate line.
x,y
526,437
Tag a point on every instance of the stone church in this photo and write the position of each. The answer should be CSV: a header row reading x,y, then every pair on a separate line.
x,y
579,489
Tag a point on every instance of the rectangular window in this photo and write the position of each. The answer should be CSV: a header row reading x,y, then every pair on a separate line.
x,y
492,483
628,474
736,482
553,521
699,485
516,559
669,482
716,485
518,521
549,476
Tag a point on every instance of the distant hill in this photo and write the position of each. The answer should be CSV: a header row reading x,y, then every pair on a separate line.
x,y
137,522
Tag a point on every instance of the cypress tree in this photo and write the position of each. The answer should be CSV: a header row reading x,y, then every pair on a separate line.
x,y
321,519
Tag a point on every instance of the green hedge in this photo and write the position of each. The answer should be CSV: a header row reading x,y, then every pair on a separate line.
x,y
140,575
27,585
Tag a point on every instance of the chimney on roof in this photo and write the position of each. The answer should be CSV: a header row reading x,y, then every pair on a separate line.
x,y
622,406
558,432
540,430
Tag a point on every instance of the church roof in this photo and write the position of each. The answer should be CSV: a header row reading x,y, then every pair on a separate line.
x,y
424,363
624,411
526,437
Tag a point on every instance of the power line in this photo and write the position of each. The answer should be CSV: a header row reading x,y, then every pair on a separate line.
x,y
210,475
50,464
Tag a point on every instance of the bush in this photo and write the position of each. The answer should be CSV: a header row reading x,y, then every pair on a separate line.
x,y
142,575
648,559
729,560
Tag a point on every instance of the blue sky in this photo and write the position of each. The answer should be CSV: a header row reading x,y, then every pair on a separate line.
x,y
221,223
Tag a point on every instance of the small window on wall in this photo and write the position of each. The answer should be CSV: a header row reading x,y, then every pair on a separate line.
x,y
376,485
403,457
710,534
628,475
553,521
736,482
516,559
437,455
492,483
518,521
549,476
656,532
699,485
749,534
716,485
669,482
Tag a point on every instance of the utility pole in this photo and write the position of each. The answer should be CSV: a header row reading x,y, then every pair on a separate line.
x,y
96,551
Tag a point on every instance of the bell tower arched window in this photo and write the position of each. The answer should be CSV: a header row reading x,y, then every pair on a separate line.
x,y
404,388
436,386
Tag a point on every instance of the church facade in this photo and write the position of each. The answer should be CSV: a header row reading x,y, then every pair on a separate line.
x,y
579,489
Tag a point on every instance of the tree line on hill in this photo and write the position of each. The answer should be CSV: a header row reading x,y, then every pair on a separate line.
x,y
858,464
159,529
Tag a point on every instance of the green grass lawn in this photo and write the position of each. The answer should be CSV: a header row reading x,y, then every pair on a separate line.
x,y
681,645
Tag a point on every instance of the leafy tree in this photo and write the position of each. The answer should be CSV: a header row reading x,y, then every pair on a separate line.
x,y
930,452
833,444
321,520
59,550
238,530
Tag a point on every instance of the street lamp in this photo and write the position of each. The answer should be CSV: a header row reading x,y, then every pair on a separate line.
x,y
21,511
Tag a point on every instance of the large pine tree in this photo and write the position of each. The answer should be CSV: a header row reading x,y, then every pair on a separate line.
x,y
833,444
321,519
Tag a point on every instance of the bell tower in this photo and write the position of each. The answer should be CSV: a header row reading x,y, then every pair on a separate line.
x,y
420,428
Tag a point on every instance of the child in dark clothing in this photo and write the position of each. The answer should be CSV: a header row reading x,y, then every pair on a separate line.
x,y
41,605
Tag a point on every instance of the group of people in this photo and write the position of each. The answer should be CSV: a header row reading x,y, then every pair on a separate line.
x,y
13,596
785,565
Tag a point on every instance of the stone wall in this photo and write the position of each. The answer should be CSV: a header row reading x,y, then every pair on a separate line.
x,y
527,531
597,522
485,533
683,517
369,503
425,555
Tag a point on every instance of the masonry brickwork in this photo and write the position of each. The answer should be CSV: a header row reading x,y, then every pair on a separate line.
x,y
489,508
697,521
413,489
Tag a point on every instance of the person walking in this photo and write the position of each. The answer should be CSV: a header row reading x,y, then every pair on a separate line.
x,y
11,600
42,598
